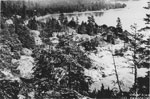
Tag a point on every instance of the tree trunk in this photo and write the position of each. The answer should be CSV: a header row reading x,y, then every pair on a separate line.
x,y
135,67
117,77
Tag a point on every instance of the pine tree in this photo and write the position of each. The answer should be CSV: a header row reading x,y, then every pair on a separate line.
x,y
24,10
119,25
70,61
139,56
62,18
72,23
77,21
82,28
91,25
93,94
10,43
147,19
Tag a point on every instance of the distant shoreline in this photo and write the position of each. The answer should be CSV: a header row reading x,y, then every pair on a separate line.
x,y
75,12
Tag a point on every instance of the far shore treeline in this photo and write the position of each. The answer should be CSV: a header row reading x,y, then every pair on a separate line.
x,y
29,7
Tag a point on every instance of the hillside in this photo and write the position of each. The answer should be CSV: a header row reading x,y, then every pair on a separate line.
x,y
65,59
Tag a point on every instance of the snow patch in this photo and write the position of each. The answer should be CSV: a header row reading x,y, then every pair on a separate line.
x,y
26,52
103,71
26,63
37,39
9,22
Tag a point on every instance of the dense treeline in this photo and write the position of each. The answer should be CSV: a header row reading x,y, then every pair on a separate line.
x,y
27,8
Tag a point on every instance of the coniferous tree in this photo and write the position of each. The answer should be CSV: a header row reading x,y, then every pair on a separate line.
x,y
147,18
139,57
104,93
77,22
62,18
91,25
143,84
72,23
119,25
93,94
9,89
24,10
70,61
10,43
134,46
82,28
33,24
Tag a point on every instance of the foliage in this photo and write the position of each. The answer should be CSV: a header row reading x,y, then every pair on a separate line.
x,y
33,25
104,93
119,25
139,59
9,89
62,19
10,45
82,28
147,19
142,85
22,7
91,44
91,26
52,25
62,68
119,52
72,23
63,22
25,37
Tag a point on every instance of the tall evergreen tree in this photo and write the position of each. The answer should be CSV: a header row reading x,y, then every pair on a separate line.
x,y
82,28
91,25
61,18
70,61
147,18
72,23
119,25
24,10
140,55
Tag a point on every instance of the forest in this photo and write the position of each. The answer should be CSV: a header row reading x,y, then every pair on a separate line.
x,y
52,60
23,7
